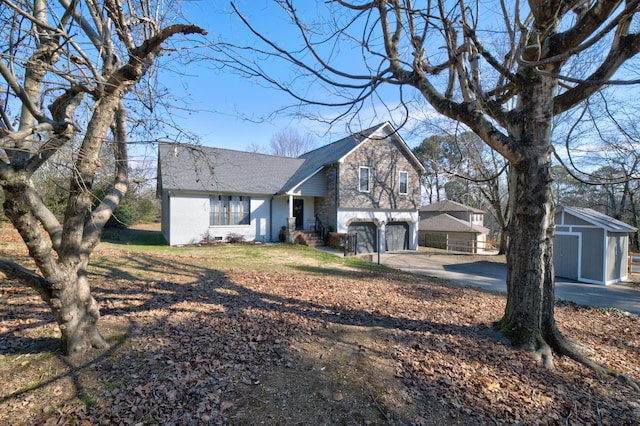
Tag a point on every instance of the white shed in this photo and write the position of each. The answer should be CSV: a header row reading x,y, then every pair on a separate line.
x,y
590,247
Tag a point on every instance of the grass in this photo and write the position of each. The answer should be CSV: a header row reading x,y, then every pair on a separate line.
x,y
133,237
184,318
223,256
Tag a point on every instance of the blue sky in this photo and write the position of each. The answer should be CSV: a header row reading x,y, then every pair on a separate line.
x,y
230,111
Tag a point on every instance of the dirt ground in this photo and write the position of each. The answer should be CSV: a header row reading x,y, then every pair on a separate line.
x,y
282,336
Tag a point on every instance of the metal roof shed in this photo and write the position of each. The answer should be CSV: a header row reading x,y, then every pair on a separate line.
x,y
590,247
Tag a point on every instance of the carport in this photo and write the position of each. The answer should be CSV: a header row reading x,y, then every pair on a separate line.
x,y
590,246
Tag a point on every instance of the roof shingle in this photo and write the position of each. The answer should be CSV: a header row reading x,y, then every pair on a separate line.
x,y
447,223
199,168
598,219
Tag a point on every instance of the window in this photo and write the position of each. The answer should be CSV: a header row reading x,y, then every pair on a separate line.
x,y
229,210
363,178
404,179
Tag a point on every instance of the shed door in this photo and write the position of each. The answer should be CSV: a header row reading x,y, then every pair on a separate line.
x,y
366,240
397,236
565,256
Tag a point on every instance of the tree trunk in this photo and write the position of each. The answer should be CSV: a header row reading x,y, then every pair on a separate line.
x,y
504,241
63,284
529,315
77,314
635,220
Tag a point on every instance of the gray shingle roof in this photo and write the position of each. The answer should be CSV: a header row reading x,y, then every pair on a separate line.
x,y
334,152
449,206
598,219
328,154
199,168
447,223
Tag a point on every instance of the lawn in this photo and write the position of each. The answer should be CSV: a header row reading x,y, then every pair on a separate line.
x,y
276,334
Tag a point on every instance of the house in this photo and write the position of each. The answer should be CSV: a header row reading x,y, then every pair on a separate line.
x,y
590,247
367,183
453,226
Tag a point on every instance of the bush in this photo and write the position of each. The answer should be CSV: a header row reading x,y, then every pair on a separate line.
x,y
336,240
133,208
235,238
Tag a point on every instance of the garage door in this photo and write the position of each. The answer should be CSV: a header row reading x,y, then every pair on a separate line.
x,y
366,239
565,256
397,236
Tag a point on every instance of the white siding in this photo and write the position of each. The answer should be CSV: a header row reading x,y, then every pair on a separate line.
x,y
164,215
256,230
316,186
189,220
280,212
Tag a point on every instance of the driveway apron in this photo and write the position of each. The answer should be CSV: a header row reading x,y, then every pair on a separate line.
x,y
477,271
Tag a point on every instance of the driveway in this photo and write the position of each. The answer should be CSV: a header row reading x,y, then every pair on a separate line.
x,y
489,272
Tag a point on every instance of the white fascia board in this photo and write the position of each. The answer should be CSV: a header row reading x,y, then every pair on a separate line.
x,y
598,225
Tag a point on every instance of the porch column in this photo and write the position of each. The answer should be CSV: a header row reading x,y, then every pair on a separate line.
x,y
291,221
290,204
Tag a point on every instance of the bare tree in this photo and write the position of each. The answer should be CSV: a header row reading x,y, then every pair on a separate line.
x,y
470,172
290,143
432,153
495,67
484,170
67,67
603,173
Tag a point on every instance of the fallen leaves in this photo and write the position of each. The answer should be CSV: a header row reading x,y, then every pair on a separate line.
x,y
331,344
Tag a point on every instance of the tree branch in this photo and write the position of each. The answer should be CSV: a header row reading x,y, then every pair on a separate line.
x,y
110,201
21,93
13,271
44,216
626,48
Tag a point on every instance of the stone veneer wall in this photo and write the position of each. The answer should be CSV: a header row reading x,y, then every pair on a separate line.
x,y
325,207
386,159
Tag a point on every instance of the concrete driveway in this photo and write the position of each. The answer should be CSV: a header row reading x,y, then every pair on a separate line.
x,y
489,272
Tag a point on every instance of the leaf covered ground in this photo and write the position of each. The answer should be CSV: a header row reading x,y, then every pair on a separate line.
x,y
285,335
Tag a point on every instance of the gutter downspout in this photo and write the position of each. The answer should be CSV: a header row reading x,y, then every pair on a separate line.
x,y
271,219
336,193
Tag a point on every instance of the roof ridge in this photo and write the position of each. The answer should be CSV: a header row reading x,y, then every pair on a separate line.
x,y
363,133
215,148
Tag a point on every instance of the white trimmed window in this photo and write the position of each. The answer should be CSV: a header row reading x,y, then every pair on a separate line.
x,y
364,179
229,210
403,182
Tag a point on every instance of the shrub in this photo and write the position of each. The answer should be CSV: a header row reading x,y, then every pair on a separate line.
x,y
336,240
235,238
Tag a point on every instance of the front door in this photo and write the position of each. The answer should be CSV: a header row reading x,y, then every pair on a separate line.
x,y
298,212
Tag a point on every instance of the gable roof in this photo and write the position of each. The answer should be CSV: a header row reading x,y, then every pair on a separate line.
x,y
334,152
200,168
598,219
447,223
449,206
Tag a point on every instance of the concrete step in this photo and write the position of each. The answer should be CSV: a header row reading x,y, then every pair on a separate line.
x,y
309,238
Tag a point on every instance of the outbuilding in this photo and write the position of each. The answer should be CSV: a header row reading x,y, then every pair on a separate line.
x,y
590,246
453,226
